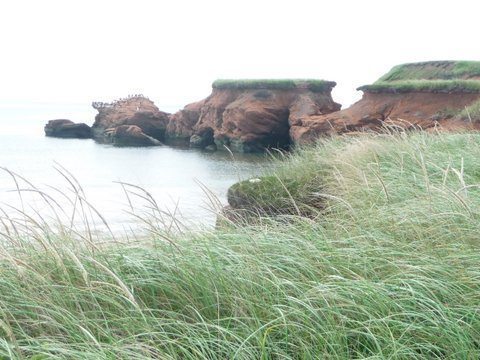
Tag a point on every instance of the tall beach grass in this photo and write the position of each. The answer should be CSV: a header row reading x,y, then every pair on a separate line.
x,y
388,268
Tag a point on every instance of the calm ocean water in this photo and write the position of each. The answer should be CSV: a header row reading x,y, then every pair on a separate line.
x,y
173,176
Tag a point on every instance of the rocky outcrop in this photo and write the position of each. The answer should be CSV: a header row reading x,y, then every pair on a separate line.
x,y
279,195
135,110
250,116
375,110
181,125
130,135
63,128
420,95
254,115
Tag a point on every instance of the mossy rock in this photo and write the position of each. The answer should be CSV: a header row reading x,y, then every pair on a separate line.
x,y
270,195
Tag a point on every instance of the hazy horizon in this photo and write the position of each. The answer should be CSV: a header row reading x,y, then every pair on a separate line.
x,y
77,52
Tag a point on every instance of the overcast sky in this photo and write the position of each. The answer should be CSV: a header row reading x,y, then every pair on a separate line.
x,y
80,51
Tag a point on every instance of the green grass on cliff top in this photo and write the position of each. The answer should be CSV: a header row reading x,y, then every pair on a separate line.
x,y
433,70
388,269
432,76
274,84
435,86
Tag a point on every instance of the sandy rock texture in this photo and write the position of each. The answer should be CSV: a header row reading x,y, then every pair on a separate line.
x,y
249,119
135,110
434,94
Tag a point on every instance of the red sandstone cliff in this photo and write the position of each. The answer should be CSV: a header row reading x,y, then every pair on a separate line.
x,y
416,95
374,110
252,115
249,119
180,127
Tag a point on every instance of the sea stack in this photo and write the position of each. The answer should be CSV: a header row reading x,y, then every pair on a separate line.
x,y
250,115
147,122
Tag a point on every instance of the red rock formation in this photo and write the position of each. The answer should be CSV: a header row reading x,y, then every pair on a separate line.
x,y
135,110
63,128
422,95
180,127
249,119
130,135
420,109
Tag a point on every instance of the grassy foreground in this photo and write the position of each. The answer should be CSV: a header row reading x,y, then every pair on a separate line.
x,y
388,269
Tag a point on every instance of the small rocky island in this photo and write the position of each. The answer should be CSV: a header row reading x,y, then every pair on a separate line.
x,y
67,129
254,115
131,121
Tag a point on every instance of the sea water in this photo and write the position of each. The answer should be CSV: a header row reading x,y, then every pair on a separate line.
x,y
188,184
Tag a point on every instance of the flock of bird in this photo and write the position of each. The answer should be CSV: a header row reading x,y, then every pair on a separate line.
x,y
99,104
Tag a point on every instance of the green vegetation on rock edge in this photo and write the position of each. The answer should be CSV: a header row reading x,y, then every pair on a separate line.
x,y
274,84
433,70
430,76
435,86
387,268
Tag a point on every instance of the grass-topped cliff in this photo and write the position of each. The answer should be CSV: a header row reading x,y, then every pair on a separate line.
x,y
388,267
432,76
433,70
274,84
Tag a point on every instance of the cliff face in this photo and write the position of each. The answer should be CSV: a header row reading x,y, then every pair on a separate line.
x,y
135,110
251,116
180,127
374,110
422,95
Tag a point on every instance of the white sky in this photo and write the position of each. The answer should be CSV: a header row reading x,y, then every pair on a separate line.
x,y
171,51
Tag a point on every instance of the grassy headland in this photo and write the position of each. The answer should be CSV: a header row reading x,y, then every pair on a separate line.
x,y
388,268
274,84
434,86
433,70
431,76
